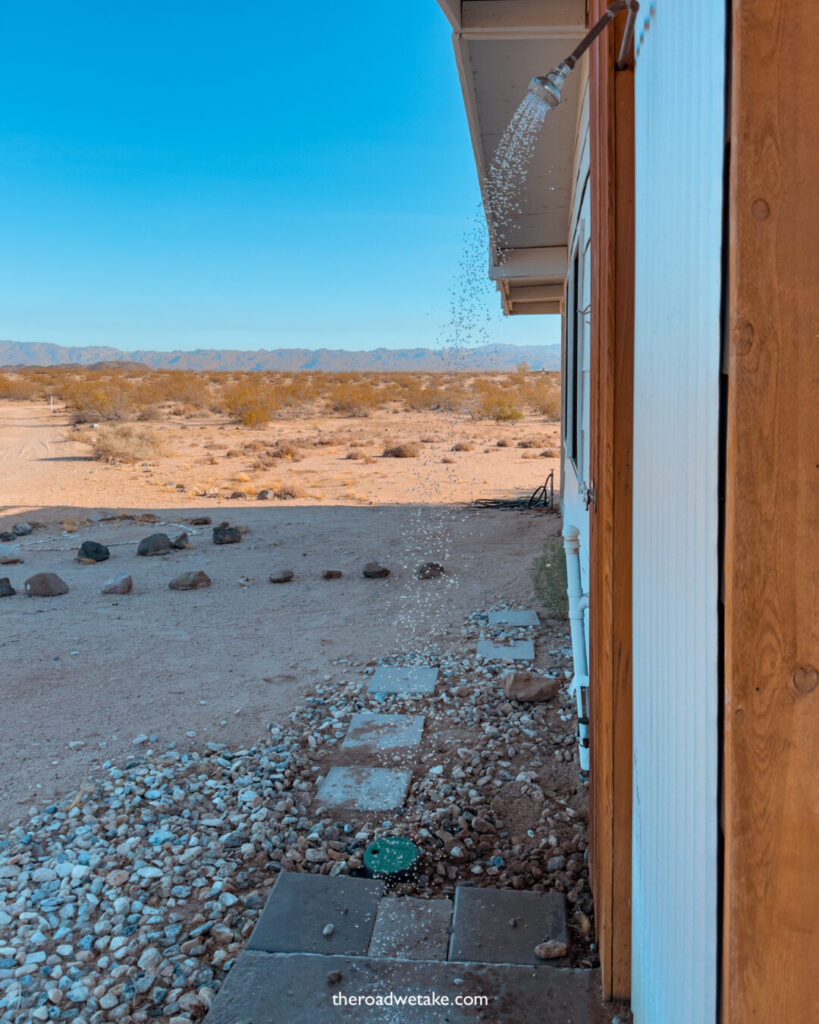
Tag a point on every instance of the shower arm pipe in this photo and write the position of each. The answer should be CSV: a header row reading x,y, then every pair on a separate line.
x,y
632,6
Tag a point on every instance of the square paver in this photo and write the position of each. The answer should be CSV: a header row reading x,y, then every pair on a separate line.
x,y
483,929
302,905
370,732
514,617
292,988
403,679
365,789
412,929
518,650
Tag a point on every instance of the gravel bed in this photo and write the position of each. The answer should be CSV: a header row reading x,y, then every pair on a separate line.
x,y
130,900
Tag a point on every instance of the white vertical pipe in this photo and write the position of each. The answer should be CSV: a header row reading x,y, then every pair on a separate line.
x,y
578,603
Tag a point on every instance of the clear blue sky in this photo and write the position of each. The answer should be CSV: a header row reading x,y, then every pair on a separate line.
x,y
235,175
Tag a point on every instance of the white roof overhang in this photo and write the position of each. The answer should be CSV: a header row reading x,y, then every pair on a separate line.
x,y
499,46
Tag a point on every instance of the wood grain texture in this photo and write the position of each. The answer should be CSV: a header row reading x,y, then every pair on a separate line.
x,y
771,755
612,352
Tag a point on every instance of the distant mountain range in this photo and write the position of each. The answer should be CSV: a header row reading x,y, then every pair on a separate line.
x,y
484,357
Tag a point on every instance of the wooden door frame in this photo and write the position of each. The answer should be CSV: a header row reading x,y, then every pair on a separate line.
x,y
770,937
611,118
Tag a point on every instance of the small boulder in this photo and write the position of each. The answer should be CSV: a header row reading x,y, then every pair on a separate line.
x,y
190,581
200,521
375,571
45,584
10,560
21,529
156,544
237,495
91,552
6,589
551,949
282,576
122,583
6,536
429,571
226,534
525,686
264,495
182,541
332,574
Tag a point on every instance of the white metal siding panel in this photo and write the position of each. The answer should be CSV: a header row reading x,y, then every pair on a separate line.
x,y
679,90
574,511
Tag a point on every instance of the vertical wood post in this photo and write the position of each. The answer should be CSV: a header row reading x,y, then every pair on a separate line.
x,y
770,945
611,108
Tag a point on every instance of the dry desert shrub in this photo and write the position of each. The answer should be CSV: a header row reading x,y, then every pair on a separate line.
x,y
19,388
183,387
352,399
463,446
285,450
125,442
542,395
289,492
506,413
149,413
99,398
252,402
494,402
402,451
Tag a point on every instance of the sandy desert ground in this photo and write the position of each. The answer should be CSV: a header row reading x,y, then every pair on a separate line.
x,y
84,674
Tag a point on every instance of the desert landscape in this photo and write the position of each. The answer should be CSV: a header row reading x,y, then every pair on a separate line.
x,y
315,490
321,528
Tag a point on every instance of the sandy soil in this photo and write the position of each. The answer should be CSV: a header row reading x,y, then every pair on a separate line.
x,y
206,457
84,674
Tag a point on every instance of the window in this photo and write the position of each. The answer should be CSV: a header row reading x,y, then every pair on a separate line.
x,y
572,369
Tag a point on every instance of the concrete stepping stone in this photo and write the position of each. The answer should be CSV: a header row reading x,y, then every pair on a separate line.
x,y
302,905
518,650
403,679
410,928
514,617
370,731
293,988
482,928
364,789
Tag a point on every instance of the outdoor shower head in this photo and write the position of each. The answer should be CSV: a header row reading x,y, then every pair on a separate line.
x,y
548,87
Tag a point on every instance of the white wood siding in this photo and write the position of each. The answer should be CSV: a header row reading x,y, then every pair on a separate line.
x,y
679,101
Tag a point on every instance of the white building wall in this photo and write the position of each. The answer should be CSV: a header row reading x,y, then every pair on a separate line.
x,y
575,476
679,96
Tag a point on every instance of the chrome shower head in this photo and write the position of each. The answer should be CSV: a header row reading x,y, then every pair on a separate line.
x,y
548,87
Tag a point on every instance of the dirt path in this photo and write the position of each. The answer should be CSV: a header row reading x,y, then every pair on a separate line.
x,y
84,674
